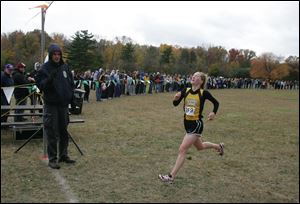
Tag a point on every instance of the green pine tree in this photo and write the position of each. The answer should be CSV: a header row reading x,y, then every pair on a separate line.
x,y
81,52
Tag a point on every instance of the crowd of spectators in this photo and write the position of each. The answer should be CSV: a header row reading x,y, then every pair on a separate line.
x,y
113,83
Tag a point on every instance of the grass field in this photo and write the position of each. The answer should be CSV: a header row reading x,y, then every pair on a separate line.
x,y
128,141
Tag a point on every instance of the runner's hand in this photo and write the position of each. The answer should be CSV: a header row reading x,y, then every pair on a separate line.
x,y
211,116
177,96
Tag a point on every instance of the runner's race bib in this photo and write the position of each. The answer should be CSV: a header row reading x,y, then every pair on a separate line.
x,y
190,111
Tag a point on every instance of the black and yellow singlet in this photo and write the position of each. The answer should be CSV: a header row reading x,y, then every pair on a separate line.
x,y
194,103
191,105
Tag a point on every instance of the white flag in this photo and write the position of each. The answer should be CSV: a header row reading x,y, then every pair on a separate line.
x,y
8,91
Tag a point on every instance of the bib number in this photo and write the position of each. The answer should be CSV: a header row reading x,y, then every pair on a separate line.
x,y
190,111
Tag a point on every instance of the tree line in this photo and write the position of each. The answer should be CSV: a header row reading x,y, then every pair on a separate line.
x,y
86,51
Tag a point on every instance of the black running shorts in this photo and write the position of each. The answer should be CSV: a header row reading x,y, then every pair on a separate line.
x,y
193,126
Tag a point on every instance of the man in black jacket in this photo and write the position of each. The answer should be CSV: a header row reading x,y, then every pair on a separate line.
x,y
6,81
21,92
55,80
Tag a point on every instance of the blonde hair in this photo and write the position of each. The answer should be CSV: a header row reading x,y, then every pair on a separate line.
x,y
203,78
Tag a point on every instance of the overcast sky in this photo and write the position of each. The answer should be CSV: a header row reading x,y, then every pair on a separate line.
x,y
259,26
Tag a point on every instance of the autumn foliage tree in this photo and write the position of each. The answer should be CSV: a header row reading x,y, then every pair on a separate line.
x,y
20,47
262,66
293,63
87,51
281,71
166,58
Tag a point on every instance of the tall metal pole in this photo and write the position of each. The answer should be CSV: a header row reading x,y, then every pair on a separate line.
x,y
43,36
42,61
